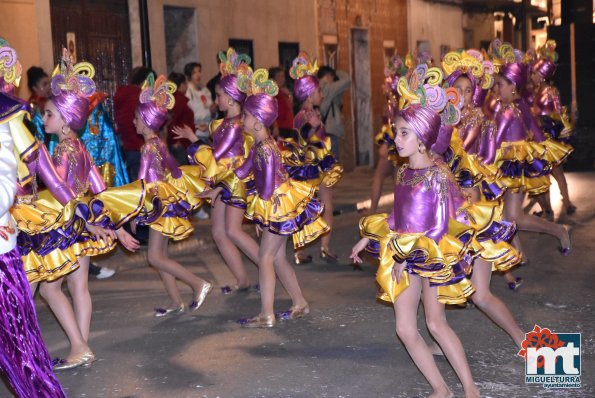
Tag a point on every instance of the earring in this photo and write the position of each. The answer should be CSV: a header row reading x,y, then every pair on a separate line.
x,y
421,148
67,129
229,102
513,92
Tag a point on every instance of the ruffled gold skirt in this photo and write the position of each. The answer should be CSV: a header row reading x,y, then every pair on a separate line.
x,y
293,210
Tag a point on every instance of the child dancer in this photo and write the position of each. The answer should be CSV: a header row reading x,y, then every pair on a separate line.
x,y
230,147
316,163
65,113
24,359
177,195
553,118
524,163
471,75
280,206
426,243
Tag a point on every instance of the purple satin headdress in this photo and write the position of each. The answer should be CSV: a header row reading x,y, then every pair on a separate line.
x,y
425,122
545,68
515,72
263,107
229,85
156,99
230,66
303,71
547,62
261,91
71,86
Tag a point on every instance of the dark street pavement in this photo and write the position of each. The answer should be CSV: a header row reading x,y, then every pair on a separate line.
x,y
346,347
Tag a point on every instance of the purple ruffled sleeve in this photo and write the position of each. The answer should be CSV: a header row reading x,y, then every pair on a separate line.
x,y
267,168
146,159
230,137
246,168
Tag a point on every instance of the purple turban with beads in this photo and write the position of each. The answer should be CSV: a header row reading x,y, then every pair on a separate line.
x,y
152,115
305,87
516,73
73,108
263,107
424,122
229,85
545,68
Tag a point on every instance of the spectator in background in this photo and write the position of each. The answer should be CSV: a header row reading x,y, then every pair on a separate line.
x,y
181,115
39,85
200,100
284,124
125,103
333,85
211,84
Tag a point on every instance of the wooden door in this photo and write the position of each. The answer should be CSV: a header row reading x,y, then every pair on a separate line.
x,y
102,36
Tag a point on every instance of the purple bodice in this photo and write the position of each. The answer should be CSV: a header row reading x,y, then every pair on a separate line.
x,y
228,139
75,166
40,165
264,161
425,199
470,129
513,122
547,101
156,161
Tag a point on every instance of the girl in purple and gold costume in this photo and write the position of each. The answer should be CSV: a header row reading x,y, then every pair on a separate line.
x,y
472,76
65,113
524,161
230,147
427,244
280,206
176,190
553,117
312,159
24,359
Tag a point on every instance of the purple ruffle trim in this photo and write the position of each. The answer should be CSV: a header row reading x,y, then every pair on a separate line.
x,y
517,169
230,200
553,128
309,215
304,172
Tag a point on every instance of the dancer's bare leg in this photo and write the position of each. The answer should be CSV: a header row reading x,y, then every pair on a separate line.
x,y
78,286
558,174
326,196
287,276
491,305
159,259
447,338
228,250
406,325
513,209
233,222
269,246
62,309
